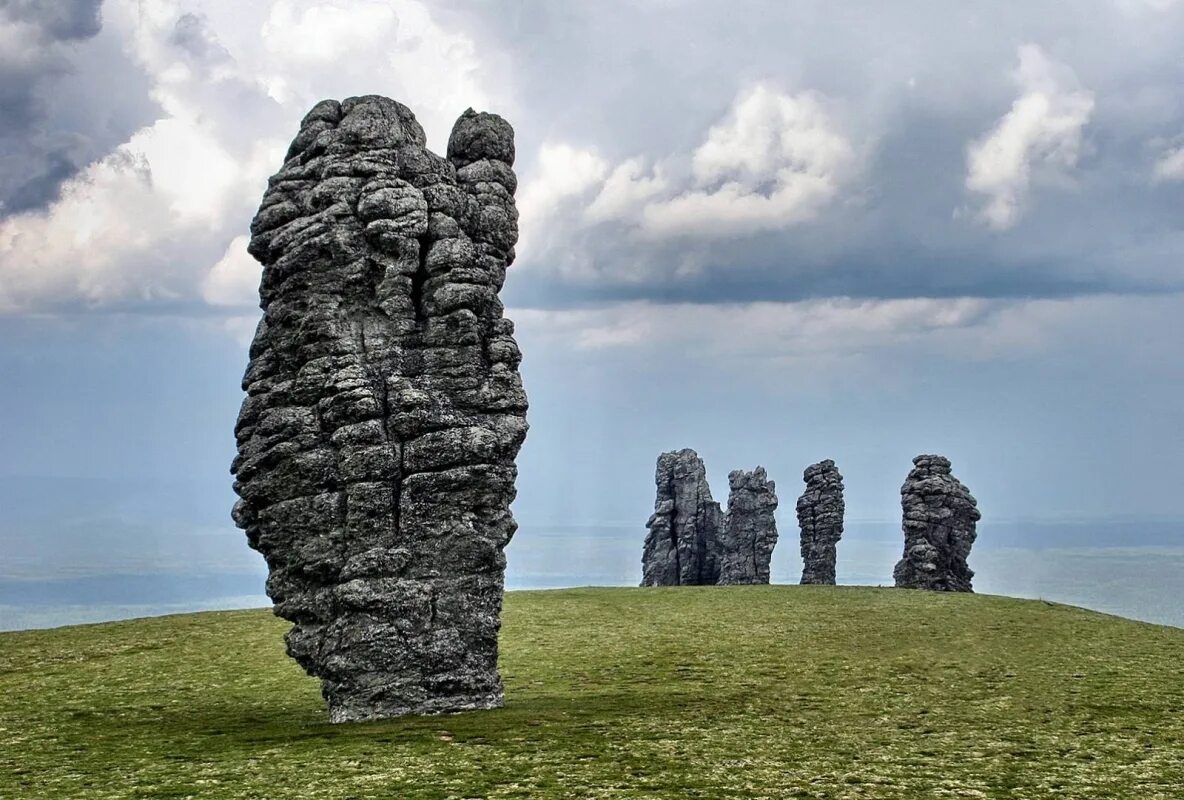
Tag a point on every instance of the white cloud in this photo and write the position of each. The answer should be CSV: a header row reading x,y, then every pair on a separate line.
x,y
234,280
734,210
626,191
561,173
320,33
1043,132
132,227
147,222
775,160
313,49
1170,165
754,329
766,132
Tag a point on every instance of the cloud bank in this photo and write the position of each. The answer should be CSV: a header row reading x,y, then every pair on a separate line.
x,y
1043,132
785,158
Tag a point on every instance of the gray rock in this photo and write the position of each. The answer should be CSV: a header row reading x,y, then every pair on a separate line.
x,y
750,528
682,547
939,528
384,408
820,517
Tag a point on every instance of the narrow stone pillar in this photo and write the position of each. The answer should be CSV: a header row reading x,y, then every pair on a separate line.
x,y
820,517
682,546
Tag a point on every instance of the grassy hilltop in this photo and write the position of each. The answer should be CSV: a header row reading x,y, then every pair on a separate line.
x,y
749,692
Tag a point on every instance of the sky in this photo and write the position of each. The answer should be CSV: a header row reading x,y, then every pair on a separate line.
x,y
775,232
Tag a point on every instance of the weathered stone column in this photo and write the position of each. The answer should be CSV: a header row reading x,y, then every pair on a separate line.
x,y
384,408
682,546
939,528
750,528
820,517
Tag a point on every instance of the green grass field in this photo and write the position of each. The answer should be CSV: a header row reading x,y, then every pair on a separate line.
x,y
773,692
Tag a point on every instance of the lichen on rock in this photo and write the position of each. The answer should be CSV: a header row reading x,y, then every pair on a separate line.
x,y
384,408
940,517
820,518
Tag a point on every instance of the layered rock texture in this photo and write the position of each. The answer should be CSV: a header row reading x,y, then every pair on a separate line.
x,y
820,518
682,547
939,528
750,528
384,408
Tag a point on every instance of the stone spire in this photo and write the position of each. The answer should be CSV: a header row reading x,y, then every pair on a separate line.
x,y
939,528
682,546
384,408
820,517
750,528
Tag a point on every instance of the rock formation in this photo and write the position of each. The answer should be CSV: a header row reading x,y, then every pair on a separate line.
x,y
820,517
939,528
384,408
682,547
750,528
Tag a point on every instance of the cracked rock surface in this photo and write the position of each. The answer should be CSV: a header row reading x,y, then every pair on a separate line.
x,y
820,518
682,547
940,516
750,528
384,408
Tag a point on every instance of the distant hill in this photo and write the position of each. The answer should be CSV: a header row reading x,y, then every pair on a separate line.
x,y
70,527
784,691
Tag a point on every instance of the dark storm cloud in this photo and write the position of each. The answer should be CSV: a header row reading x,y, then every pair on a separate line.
x,y
192,34
761,270
60,20
66,97
913,84
44,187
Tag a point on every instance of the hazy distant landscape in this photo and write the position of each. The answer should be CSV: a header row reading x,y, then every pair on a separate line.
x,y
1130,568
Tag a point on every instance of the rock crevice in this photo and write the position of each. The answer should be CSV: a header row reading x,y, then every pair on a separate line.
x,y
384,408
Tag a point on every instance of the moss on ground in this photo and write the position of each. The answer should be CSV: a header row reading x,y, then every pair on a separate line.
x,y
770,692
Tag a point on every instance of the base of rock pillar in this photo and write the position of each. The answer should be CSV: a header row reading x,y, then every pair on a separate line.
x,y
365,709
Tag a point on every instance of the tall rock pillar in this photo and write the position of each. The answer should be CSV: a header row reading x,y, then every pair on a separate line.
x,y
750,528
940,516
384,408
820,517
682,546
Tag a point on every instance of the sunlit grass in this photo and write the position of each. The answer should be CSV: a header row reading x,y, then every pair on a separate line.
x,y
701,692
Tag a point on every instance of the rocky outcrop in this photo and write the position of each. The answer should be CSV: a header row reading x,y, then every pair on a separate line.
x,y
384,408
820,517
691,542
939,528
682,547
750,528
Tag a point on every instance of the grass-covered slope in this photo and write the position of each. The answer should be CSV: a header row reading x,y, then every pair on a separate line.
x,y
712,692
